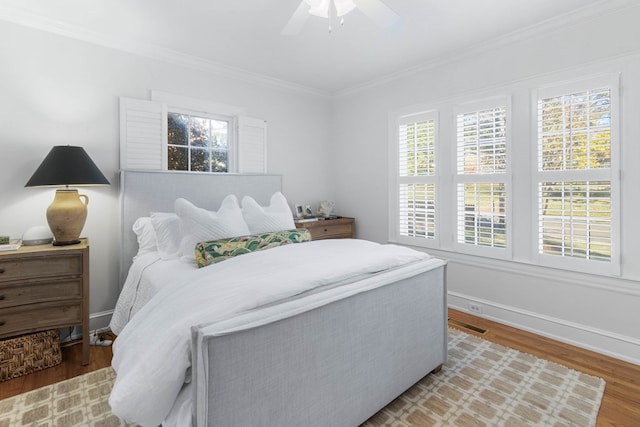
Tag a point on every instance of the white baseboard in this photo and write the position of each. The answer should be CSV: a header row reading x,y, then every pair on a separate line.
x,y
611,344
98,322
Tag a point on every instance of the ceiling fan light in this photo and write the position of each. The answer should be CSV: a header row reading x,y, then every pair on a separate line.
x,y
321,7
318,7
343,6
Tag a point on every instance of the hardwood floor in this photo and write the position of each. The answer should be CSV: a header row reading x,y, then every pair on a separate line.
x,y
621,400
70,367
620,404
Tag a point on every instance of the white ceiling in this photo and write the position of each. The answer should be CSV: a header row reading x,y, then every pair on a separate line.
x,y
245,34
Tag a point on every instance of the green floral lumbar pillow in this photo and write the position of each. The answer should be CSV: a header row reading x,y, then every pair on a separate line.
x,y
222,249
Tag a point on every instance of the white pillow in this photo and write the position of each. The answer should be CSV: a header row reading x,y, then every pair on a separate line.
x,y
275,217
200,225
167,228
146,235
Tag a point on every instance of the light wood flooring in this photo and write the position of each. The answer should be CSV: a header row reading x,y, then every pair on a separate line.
x,y
621,400
70,367
620,404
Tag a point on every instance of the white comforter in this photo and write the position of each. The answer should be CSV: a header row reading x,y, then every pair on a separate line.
x,y
147,276
152,354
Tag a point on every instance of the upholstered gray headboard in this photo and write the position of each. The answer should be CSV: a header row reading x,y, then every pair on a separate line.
x,y
142,192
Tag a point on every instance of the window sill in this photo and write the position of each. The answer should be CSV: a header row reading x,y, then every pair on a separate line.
x,y
589,280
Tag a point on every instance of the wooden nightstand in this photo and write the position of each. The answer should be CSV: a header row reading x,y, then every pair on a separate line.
x,y
45,287
339,228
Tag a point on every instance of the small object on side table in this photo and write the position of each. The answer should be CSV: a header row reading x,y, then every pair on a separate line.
x,y
325,208
12,245
37,235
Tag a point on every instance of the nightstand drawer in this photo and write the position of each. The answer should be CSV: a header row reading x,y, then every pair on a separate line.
x,y
31,267
334,228
14,294
38,317
331,231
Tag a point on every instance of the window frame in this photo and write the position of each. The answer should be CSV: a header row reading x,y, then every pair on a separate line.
x,y
144,133
205,108
395,180
613,267
506,177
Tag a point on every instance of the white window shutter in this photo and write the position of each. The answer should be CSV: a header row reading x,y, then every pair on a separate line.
x,y
577,186
143,134
482,175
252,145
414,179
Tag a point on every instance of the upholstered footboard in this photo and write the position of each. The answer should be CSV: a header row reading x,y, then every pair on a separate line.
x,y
333,364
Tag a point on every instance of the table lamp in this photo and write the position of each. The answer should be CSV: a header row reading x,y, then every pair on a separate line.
x,y
64,166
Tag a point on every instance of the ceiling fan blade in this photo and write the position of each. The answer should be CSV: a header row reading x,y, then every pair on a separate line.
x,y
297,20
378,12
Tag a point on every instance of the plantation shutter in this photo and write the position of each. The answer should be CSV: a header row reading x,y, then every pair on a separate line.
x,y
575,219
575,184
481,164
252,145
416,178
143,135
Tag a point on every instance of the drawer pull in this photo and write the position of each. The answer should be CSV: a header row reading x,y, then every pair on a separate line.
x,y
1,270
1,322
1,297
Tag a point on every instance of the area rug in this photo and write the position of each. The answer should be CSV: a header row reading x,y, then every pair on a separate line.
x,y
482,384
486,384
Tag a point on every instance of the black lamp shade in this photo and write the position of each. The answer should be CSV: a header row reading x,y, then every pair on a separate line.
x,y
67,165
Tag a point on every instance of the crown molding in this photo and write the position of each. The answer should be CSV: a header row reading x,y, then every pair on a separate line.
x,y
27,18
595,10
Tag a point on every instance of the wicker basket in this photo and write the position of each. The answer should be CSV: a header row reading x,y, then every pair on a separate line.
x,y
28,353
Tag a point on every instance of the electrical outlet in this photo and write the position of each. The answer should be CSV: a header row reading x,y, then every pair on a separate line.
x,y
475,308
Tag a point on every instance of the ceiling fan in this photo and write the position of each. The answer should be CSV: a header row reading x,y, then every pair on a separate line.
x,y
376,10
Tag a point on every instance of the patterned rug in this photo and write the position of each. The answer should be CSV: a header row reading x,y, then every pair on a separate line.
x,y
482,384
486,384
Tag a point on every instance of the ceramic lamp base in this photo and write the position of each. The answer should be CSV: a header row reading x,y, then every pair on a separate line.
x,y
66,216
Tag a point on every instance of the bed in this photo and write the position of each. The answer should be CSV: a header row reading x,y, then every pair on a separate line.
x,y
310,345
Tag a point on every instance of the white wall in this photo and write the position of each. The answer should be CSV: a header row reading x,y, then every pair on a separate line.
x,y
596,312
55,90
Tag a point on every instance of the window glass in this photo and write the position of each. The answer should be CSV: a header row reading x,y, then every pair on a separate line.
x,y
417,210
416,170
575,207
575,219
575,131
417,148
197,144
482,214
481,139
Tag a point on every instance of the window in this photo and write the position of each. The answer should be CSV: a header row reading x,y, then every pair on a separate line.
x,y
179,133
549,195
576,144
415,178
482,175
199,144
